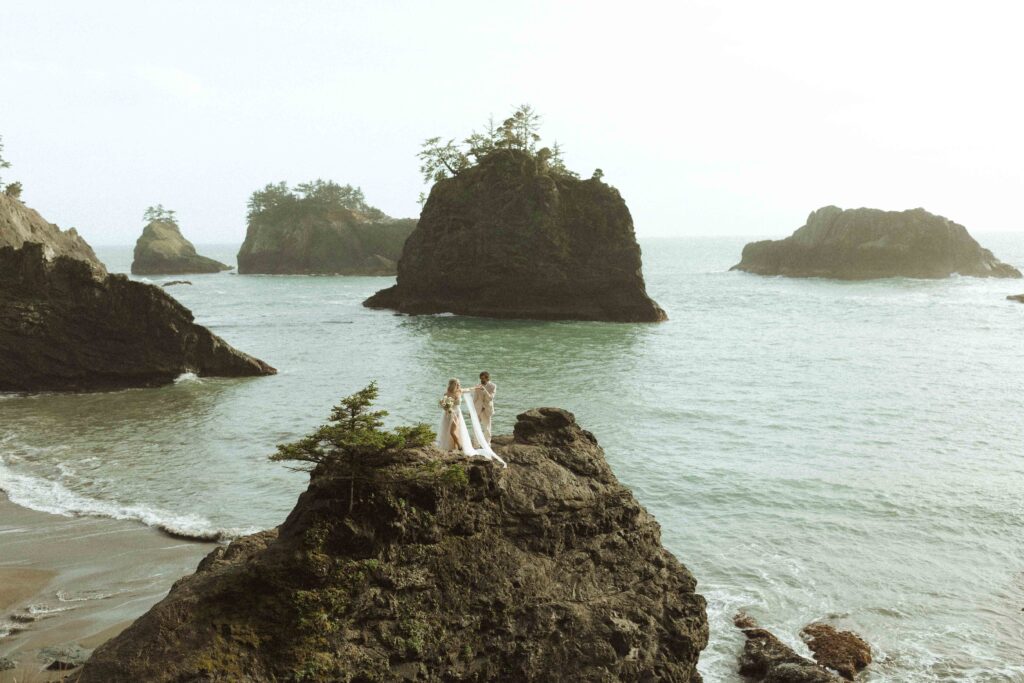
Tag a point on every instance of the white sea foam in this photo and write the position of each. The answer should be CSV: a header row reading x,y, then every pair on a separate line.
x,y
187,377
53,497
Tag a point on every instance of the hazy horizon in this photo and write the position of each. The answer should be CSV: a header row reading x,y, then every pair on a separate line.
x,y
711,120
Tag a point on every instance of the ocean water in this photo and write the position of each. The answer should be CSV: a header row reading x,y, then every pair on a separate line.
x,y
813,449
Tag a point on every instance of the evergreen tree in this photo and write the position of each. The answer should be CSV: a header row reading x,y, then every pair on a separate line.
x,y
354,433
3,162
158,214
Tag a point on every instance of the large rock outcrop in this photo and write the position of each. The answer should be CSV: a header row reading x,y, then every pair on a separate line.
x,y
508,238
62,328
328,241
425,566
863,244
20,224
163,250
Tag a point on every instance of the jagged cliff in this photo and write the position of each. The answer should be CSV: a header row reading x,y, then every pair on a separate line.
x,y
513,238
162,250
20,224
863,244
63,328
420,565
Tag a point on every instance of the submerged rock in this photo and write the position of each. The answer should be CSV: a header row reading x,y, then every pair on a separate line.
x,y
863,244
1016,297
510,238
20,224
420,565
842,651
62,328
172,283
163,250
767,659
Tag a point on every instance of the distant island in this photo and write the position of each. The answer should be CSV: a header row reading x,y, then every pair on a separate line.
x,y
163,250
509,232
320,228
864,244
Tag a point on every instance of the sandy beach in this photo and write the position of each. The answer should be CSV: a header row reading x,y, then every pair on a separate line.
x,y
77,581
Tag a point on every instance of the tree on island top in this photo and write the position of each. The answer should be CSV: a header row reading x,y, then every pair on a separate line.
x,y
158,214
355,434
316,195
519,132
3,162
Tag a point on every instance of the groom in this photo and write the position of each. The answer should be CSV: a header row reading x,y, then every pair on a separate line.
x,y
483,401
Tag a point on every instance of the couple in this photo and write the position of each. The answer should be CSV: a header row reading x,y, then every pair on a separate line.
x,y
453,434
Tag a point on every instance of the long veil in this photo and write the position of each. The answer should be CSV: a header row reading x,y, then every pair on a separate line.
x,y
485,447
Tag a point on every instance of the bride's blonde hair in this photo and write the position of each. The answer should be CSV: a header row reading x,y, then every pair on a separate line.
x,y
452,383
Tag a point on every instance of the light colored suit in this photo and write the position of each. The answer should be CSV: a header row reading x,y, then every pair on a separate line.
x,y
483,401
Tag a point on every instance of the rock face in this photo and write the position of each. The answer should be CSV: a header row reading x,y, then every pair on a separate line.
x,y
766,659
863,244
842,651
20,224
431,567
163,250
332,241
504,239
62,328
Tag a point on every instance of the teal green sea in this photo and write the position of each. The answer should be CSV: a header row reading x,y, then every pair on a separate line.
x,y
813,449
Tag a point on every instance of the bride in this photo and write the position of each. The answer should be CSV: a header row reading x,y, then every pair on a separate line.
x,y
453,434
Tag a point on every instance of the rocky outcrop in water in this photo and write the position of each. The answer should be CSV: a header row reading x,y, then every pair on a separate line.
x,y
863,244
513,238
766,659
20,224
842,651
62,328
163,250
320,228
1016,297
420,565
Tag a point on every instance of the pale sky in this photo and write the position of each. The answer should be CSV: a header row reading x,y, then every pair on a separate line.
x,y
712,118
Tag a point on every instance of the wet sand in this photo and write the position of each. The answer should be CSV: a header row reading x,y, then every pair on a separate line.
x,y
78,581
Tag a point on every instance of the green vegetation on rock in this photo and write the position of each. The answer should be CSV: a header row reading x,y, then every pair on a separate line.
x,y
319,227
354,434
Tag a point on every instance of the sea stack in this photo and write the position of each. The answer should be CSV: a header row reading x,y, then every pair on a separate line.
x,y
64,328
319,228
423,565
515,236
20,224
864,244
163,250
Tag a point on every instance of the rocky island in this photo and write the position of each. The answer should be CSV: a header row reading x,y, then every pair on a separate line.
x,y
62,327
509,232
401,562
864,244
20,224
163,250
319,228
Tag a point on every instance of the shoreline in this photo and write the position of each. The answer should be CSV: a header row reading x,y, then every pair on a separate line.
x,y
78,581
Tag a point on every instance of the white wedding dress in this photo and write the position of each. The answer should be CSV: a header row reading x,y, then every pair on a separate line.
x,y
444,437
